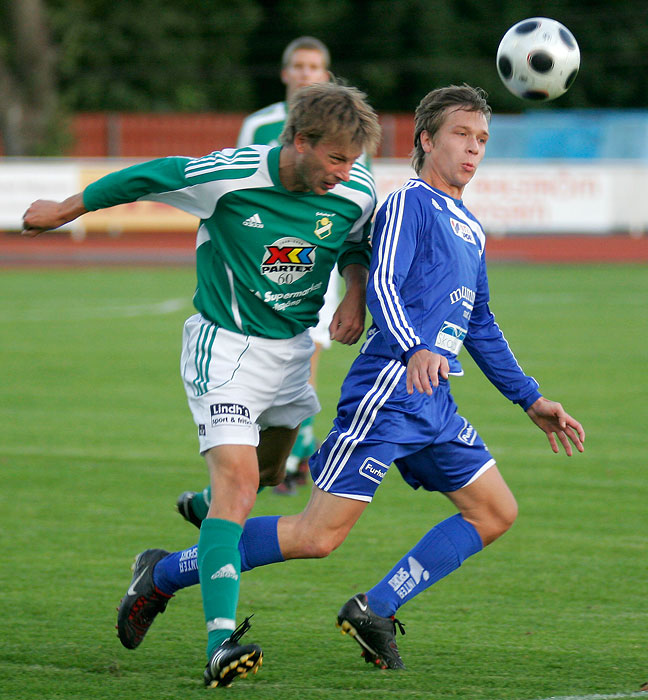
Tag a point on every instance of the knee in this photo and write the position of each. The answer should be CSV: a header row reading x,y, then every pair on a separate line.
x,y
233,503
317,545
506,516
498,521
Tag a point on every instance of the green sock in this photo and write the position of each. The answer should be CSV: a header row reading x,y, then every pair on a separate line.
x,y
219,567
305,443
200,503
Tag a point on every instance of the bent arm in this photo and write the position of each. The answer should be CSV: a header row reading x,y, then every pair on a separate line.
x,y
349,319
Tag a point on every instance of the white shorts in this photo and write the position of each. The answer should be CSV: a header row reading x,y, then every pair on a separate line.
x,y
320,333
238,384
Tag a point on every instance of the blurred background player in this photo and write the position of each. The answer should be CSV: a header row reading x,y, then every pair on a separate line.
x,y
305,61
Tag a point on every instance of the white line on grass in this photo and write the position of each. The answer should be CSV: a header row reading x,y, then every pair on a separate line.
x,y
160,308
614,696
97,454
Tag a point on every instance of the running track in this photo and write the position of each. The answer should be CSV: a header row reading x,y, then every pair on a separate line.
x,y
58,250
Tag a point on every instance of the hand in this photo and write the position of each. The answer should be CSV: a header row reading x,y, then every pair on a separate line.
x,y
44,214
423,371
348,321
554,421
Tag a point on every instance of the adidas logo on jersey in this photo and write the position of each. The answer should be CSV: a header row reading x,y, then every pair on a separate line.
x,y
254,221
227,571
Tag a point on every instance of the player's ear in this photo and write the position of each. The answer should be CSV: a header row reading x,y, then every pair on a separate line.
x,y
300,142
426,141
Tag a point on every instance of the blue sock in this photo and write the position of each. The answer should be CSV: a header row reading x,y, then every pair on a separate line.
x,y
177,570
259,545
438,553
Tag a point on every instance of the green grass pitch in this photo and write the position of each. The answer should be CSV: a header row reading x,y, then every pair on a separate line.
x,y
96,442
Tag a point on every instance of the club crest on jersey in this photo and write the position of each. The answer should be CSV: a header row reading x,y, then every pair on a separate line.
x,y
463,231
323,227
450,337
287,260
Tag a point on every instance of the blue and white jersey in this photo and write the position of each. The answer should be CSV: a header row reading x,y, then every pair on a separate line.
x,y
428,288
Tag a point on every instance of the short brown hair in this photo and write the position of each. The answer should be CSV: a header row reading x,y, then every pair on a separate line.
x,y
331,111
309,43
433,109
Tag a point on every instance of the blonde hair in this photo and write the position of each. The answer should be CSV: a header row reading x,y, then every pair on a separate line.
x,y
434,107
309,43
331,111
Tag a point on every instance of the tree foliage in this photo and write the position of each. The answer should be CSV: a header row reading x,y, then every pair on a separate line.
x,y
28,95
183,55
154,56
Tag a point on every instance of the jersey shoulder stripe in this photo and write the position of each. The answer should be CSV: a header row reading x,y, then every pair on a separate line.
x,y
411,184
362,177
447,205
227,164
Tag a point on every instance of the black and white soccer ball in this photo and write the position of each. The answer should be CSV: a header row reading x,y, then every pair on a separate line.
x,y
538,59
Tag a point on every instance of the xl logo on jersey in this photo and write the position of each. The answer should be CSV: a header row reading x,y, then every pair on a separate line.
x,y
373,470
463,231
288,259
451,337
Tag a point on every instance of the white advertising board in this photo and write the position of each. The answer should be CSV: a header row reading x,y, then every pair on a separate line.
x,y
520,197
23,181
508,197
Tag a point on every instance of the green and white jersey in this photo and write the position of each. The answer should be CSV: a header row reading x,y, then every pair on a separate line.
x,y
263,254
264,126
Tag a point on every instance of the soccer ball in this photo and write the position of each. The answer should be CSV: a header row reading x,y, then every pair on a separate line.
x,y
538,59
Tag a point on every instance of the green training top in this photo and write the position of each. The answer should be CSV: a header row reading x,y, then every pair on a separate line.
x,y
264,126
263,254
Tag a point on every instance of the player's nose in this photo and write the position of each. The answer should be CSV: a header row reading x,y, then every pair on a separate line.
x,y
343,172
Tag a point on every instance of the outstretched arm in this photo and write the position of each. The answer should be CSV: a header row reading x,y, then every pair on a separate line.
x,y
554,421
45,214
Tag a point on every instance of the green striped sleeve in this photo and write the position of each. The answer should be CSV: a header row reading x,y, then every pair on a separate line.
x,y
130,184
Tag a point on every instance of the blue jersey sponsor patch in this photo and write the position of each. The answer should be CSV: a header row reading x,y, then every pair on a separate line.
x,y
451,337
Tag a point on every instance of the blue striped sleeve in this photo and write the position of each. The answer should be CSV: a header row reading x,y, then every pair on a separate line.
x,y
395,240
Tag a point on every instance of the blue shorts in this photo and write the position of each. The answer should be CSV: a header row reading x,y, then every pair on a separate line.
x,y
378,423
